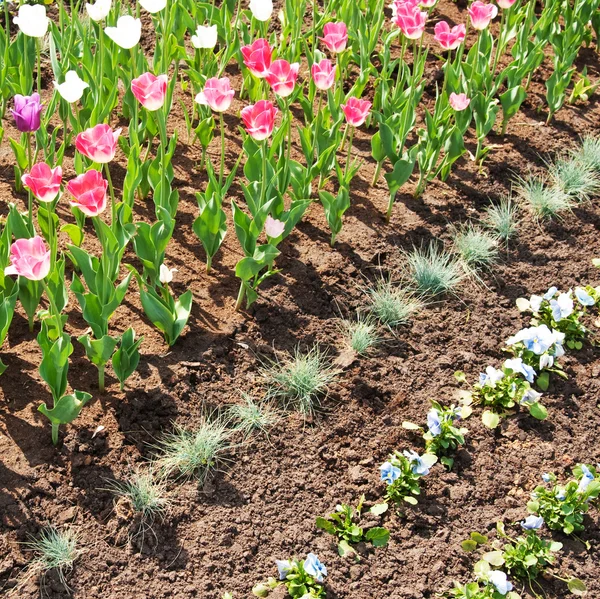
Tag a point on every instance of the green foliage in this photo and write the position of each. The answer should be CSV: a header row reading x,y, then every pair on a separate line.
x,y
126,359
253,416
360,334
408,470
563,506
55,550
503,218
477,247
589,152
300,380
391,304
575,178
434,271
545,202
528,556
344,524
194,453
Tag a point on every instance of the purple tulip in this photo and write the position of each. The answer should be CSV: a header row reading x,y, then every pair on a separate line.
x,y
27,112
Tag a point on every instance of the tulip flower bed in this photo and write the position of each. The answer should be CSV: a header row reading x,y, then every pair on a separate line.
x,y
217,232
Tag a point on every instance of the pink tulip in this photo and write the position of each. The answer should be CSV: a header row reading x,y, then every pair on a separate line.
x,y
505,3
410,20
335,37
259,119
89,193
217,94
449,39
273,227
459,101
356,111
29,258
481,14
150,90
257,57
282,77
403,4
323,74
43,181
429,3
98,143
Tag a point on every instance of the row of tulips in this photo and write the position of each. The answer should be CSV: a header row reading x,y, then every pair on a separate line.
x,y
102,55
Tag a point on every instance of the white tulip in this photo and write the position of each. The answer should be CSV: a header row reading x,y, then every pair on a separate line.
x,y
206,37
127,33
99,10
72,88
32,20
261,9
153,6
165,275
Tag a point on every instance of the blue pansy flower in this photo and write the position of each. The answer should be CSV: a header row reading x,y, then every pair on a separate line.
x,y
562,307
519,367
389,472
419,465
583,297
546,477
532,523
313,567
500,581
586,479
550,293
490,377
530,396
561,495
535,302
284,567
536,339
433,422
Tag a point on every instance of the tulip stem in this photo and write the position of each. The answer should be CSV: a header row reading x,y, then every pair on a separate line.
x,y
53,308
240,297
222,168
29,195
101,378
263,188
349,153
113,206
38,52
376,175
54,433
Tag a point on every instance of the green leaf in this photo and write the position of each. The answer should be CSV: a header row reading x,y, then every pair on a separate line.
x,y
378,535
537,410
379,508
576,586
479,538
410,499
325,525
344,548
490,419
469,545
543,381
495,558
411,426
67,408
460,376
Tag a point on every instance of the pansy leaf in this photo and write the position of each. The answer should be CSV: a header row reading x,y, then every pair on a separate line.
x,y
379,508
490,419
576,586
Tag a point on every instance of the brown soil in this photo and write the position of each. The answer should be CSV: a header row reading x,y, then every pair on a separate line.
x,y
263,502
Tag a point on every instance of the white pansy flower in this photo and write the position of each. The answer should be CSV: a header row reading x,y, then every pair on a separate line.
x,y
32,20
72,88
127,33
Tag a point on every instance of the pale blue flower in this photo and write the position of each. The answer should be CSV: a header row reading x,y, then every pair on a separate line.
x,y
490,377
519,367
389,472
532,523
547,477
561,495
433,422
535,302
313,567
529,397
418,465
587,478
546,361
536,339
284,567
583,297
550,293
561,307
499,580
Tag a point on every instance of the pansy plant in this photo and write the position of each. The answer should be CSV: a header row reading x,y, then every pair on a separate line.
x,y
563,506
344,524
443,436
303,579
561,312
506,388
539,347
402,473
